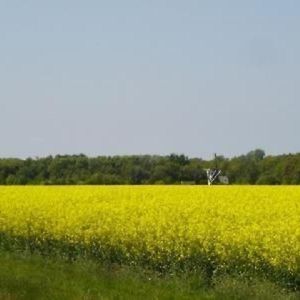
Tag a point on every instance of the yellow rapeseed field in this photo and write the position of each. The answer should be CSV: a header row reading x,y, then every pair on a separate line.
x,y
238,227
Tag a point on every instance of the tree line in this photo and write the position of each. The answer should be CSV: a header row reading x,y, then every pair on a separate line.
x,y
253,168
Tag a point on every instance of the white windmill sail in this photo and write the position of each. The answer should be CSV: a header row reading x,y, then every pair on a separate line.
x,y
213,174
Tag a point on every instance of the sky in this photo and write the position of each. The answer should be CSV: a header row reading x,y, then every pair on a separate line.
x,y
149,77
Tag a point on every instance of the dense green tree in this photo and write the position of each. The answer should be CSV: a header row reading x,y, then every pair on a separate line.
x,y
253,168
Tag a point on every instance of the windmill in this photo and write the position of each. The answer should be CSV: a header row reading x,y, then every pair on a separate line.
x,y
213,174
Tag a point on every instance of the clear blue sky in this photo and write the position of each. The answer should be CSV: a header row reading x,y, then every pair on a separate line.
x,y
136,77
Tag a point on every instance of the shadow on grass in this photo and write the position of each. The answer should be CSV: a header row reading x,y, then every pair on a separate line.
x,y
199,263
31,276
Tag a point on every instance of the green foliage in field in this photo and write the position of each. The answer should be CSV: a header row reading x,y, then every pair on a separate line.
x,y
31,277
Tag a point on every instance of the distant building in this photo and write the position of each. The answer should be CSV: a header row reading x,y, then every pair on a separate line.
x,y
224,179
187,182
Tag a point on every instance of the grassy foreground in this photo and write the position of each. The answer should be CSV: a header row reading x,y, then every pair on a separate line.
x,y
24,276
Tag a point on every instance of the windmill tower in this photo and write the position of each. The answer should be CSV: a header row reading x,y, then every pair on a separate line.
x,y
213,174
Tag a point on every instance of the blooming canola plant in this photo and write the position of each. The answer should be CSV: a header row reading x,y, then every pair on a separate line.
x,y
238,228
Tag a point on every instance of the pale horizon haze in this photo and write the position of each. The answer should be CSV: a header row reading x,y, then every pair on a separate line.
x,y
149,77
